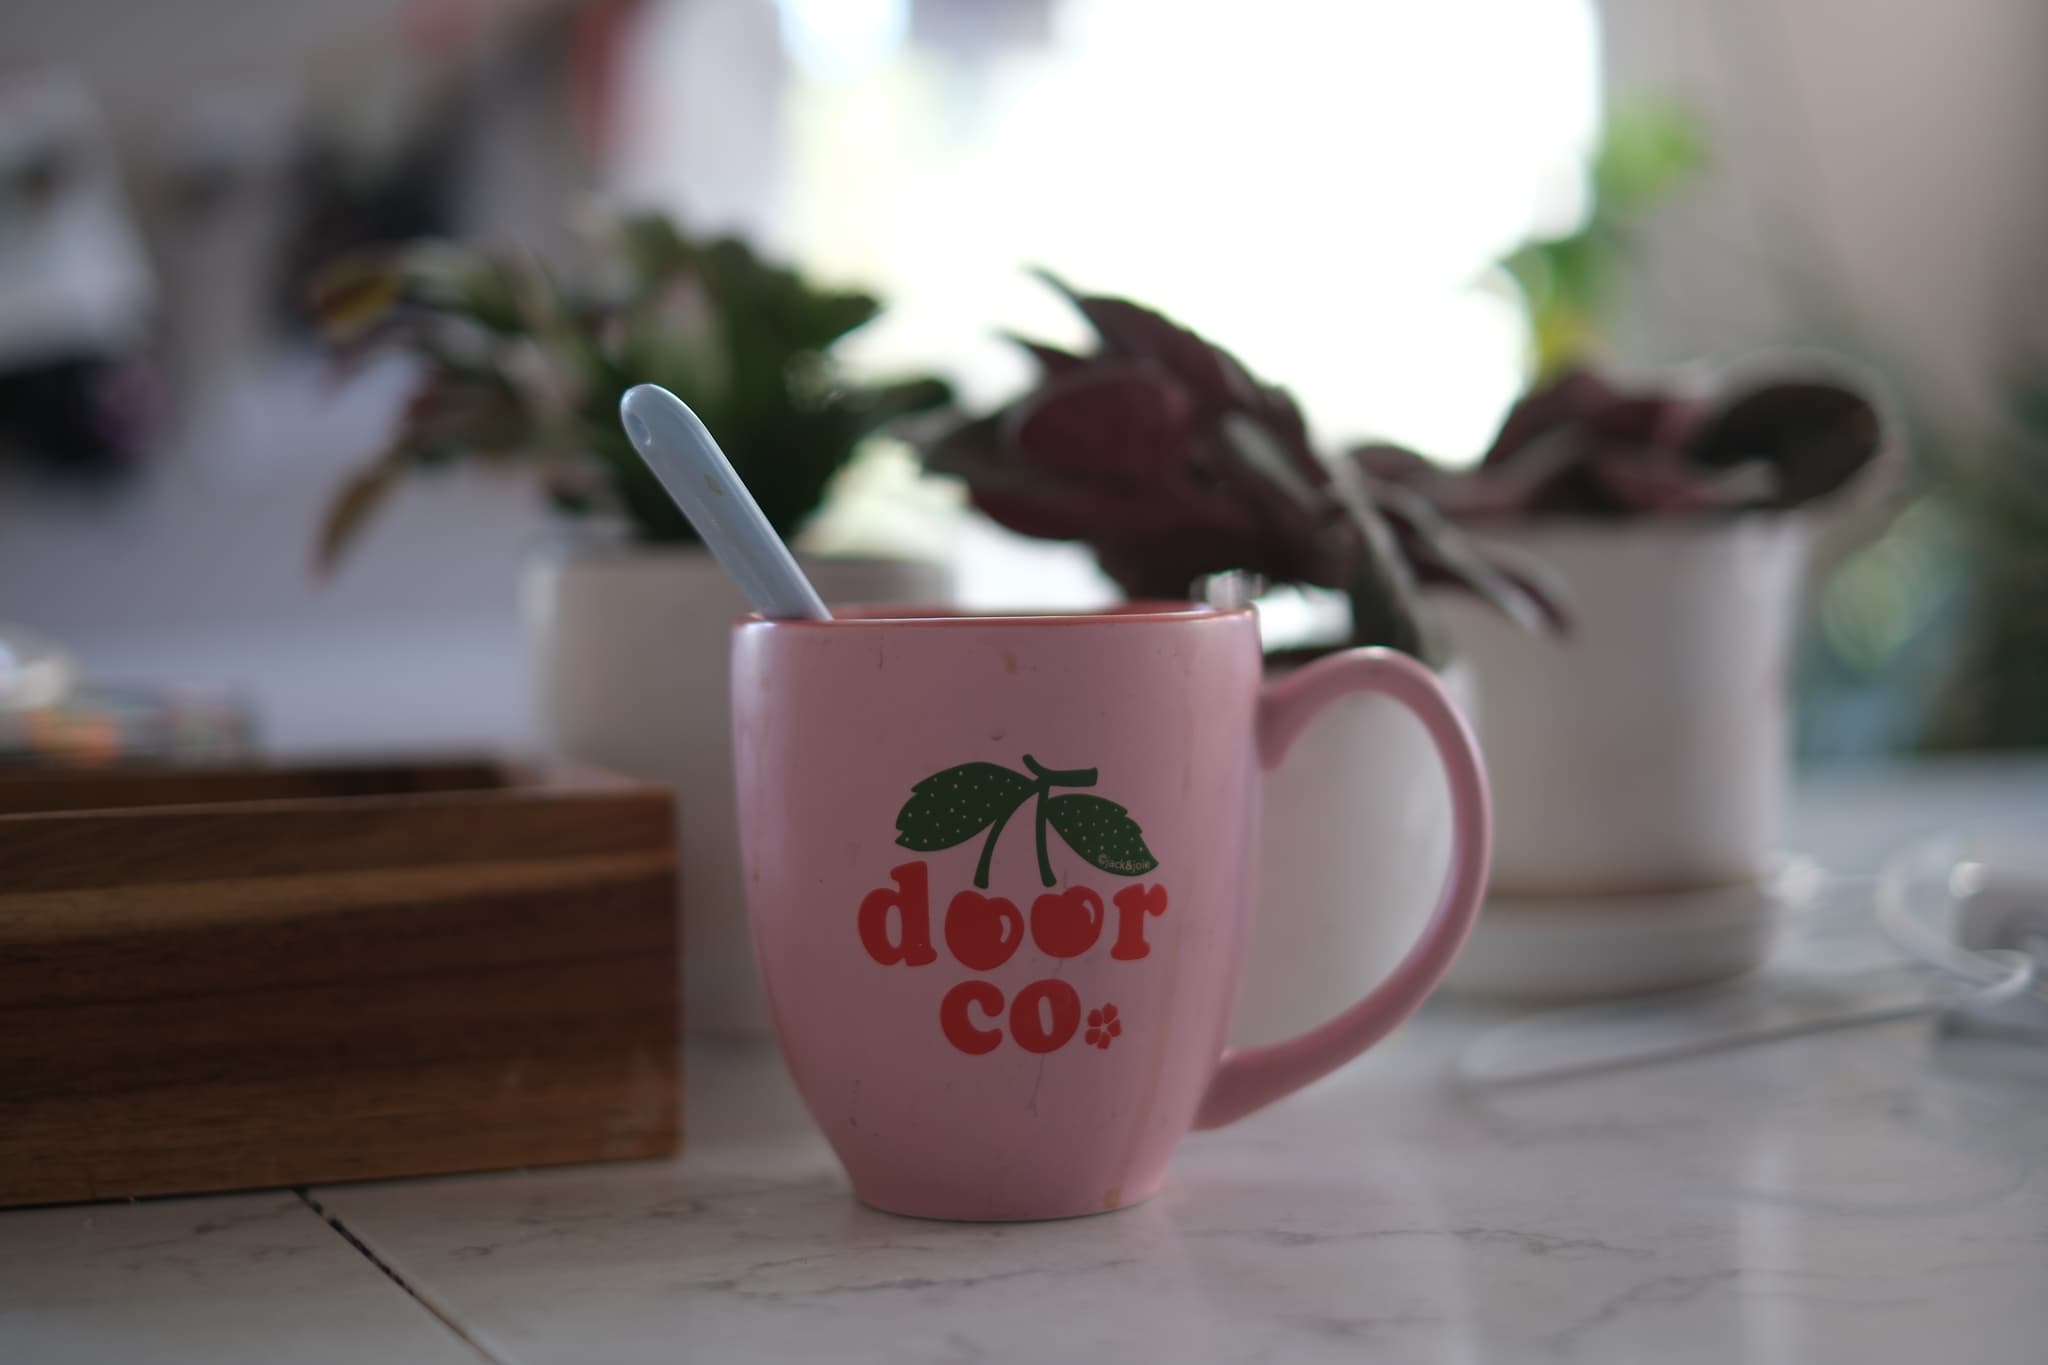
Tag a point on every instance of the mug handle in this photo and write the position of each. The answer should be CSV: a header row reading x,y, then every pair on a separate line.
x,y
1248,1079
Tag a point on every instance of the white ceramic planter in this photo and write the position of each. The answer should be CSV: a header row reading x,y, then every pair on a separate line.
x,y
1638,765
630,653
1355,841
1646,752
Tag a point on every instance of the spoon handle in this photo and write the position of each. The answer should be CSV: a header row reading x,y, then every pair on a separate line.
x,y
683,455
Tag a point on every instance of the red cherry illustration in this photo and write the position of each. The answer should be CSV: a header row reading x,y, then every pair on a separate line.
x,y
983,932
1066,923
1103,1025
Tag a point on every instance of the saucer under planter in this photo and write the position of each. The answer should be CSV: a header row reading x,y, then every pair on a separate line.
x,y
1552,949
631,661
1354,845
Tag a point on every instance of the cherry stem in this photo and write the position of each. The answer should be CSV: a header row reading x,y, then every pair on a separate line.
x,y
1044,862
988,847
1048,778
1060,777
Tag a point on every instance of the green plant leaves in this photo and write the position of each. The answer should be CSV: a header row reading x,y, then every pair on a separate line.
x,y
953,806
515,366
1102,832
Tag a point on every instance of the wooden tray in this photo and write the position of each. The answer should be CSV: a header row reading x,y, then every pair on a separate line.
x,y
232,978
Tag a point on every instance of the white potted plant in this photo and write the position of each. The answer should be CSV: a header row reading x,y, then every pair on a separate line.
x,y
1639,765
1173,463
630,617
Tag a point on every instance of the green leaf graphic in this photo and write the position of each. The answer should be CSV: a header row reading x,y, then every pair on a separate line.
x,y
1101,831
953,806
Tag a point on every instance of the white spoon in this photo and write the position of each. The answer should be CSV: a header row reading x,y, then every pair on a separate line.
x,y
680,450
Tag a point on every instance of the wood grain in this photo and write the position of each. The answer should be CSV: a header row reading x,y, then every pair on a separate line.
x,y
27,790
334,977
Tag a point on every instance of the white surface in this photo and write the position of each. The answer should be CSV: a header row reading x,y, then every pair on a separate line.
x,y
1354,844
1870,1197
255,1277
1873,1196
631,664
1647,750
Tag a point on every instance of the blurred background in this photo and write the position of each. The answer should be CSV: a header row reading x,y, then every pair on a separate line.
x,y
1390,206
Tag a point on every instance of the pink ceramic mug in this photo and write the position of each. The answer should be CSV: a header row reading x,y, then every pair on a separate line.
x,y
998,871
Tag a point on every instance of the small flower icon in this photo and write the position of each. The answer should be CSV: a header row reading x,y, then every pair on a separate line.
x,y
1103,1025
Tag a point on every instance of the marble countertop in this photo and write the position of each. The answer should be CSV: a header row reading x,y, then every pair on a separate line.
x,y
1873,1195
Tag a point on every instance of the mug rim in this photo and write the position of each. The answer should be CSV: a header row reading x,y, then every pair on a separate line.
x,y
935,616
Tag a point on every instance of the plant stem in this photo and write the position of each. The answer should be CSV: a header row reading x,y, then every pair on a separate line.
x,y
1060,777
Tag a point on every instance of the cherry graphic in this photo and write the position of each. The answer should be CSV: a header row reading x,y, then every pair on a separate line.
x,y
960,803
1103,1025
983,931
1066,923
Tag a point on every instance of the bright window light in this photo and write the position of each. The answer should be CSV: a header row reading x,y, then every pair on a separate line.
x,y
833,39
1319,187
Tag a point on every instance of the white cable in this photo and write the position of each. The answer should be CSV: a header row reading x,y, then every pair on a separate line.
x,y
2002,973
1766,1008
